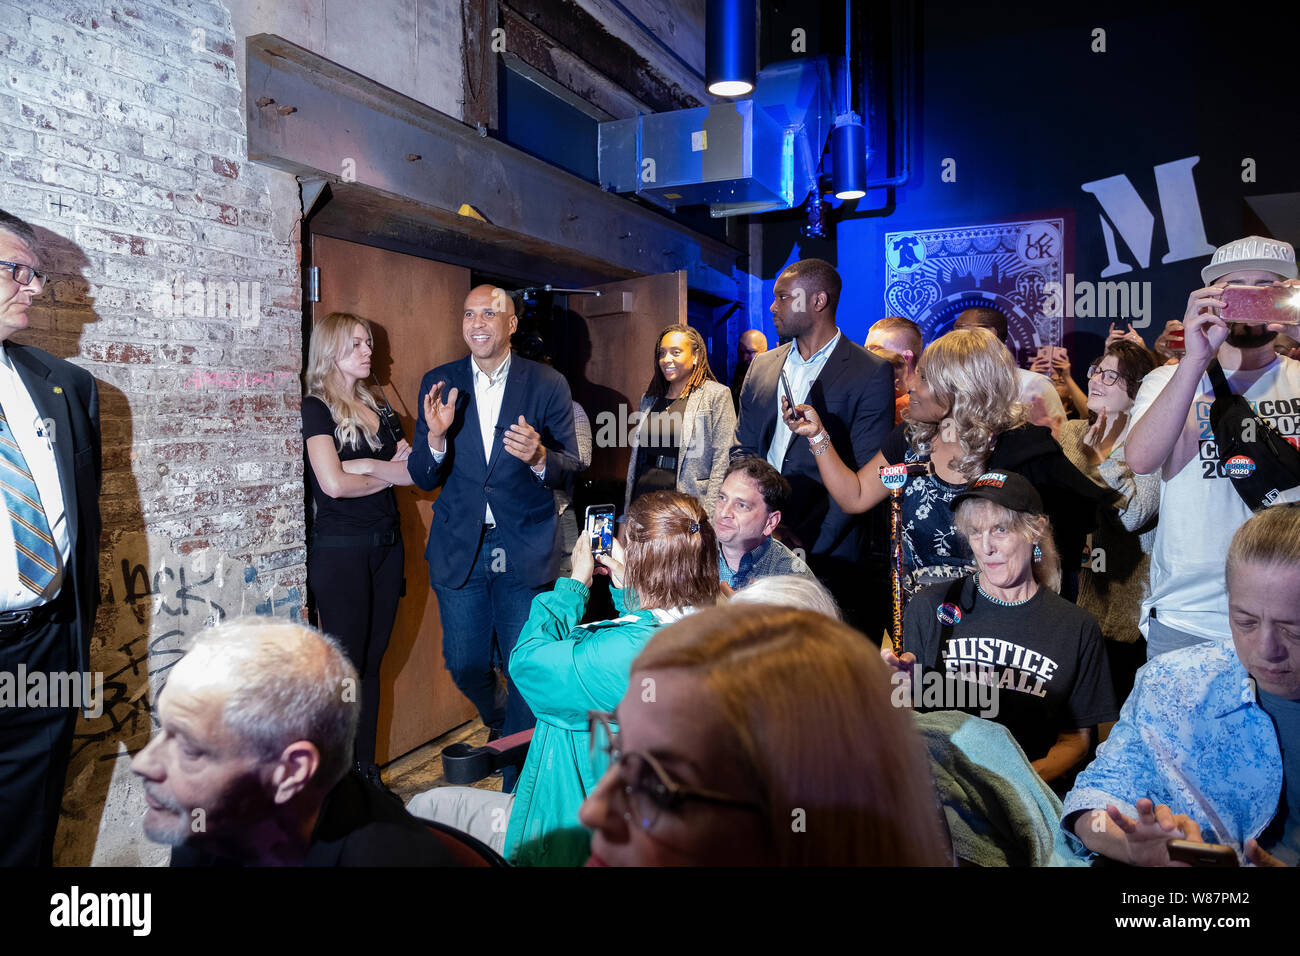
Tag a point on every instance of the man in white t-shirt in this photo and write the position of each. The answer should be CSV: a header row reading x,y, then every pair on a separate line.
x,y
1042,403
1170,433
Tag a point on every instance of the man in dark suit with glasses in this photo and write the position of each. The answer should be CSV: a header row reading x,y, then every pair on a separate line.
x,y
49,555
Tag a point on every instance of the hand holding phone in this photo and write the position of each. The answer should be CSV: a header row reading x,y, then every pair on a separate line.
x,y
789,395
1147,839
614,564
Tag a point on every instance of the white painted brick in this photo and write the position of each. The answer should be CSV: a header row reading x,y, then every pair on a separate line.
x,y
76,44
30,56
16,141
105,82
127,141
14,20
62,174
113,188
136,116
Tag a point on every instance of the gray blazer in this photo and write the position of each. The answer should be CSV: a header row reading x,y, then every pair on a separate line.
x,y
707,428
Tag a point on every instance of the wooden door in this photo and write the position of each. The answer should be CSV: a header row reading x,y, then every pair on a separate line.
x,y
620,327
414,306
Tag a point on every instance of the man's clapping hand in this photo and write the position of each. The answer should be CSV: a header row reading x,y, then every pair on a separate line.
x,y
439,415
524,443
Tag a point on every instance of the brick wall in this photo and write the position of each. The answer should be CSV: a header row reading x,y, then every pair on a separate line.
x,y
176,283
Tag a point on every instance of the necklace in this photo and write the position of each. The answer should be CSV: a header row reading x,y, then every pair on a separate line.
x,y
989,597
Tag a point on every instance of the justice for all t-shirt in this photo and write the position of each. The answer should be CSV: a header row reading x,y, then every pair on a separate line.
x,y
1044,659
1199,509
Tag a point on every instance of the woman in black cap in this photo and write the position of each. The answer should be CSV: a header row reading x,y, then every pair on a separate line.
x,y
1001,642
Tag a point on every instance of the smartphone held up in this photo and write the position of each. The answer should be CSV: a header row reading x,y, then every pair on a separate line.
x,y
789,396
1260,305
599,528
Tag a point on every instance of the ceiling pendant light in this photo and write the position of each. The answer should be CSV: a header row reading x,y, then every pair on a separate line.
x,y
730,55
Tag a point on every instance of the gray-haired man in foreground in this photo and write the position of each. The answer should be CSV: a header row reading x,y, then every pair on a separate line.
x,y
251,764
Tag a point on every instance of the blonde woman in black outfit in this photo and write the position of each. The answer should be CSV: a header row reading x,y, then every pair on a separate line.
x,y
354,557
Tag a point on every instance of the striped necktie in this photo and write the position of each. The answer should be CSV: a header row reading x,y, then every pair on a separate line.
x,y
37,559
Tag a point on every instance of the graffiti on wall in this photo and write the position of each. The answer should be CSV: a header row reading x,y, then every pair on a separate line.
x,y
153,602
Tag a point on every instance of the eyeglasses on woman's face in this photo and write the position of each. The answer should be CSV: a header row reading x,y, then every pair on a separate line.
x,y
1107,376
652,799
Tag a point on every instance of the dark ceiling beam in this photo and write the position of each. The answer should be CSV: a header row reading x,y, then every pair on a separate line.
x,y
316,119
565,69
566,23
478,19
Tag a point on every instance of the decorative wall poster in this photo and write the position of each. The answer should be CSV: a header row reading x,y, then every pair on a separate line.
x,y
931,275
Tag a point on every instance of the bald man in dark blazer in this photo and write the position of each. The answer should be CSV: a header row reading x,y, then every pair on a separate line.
x,y
852,391
496,435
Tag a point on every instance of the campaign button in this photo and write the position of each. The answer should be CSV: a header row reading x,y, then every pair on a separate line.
x,y
1239,466
948,614
893,477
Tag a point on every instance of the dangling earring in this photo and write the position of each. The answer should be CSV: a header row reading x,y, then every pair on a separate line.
x,y
1038,553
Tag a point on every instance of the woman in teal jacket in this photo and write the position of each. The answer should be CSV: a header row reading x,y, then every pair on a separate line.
x,y
565,669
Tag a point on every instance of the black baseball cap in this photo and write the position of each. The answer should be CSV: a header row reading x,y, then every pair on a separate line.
x,y
1004,488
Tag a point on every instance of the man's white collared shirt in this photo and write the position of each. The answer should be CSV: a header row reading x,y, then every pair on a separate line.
x,y
34,436
801,375
489,389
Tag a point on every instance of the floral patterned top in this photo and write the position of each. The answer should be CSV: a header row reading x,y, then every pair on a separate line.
x,y
933,551
1191,735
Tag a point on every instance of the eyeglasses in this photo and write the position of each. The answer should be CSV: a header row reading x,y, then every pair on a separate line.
x,y
23,273
647,788
1107,376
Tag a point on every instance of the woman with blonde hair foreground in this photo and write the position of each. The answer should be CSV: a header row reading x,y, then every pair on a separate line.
x,y
759,735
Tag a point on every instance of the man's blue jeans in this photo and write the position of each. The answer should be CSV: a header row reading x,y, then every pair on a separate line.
x,y
493,600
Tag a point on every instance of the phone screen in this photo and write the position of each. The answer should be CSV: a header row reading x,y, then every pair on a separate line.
x,y
1260,304
600,528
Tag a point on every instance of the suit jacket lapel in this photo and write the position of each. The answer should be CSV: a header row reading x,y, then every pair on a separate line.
x,y
688,426
836,364
469,425
511,407
769,390
52,403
